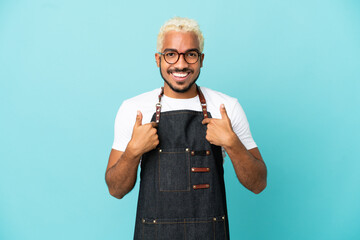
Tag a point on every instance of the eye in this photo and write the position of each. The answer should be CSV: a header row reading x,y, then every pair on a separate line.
x,y
170,54
192,54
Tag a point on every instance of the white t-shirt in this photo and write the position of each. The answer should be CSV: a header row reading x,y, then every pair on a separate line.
x,y
146,102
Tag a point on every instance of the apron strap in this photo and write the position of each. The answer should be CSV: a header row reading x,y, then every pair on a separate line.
x,y
201,98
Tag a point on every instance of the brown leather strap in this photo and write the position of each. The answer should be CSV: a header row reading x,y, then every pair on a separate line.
x,y
201,186
200,169
201,98
202,101
158,106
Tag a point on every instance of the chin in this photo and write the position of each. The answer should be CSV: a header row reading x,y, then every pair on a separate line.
x,y
180,88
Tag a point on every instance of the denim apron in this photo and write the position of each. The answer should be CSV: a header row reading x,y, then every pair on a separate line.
x,y
182,191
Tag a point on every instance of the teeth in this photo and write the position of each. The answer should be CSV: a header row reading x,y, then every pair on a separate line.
x,y
180,74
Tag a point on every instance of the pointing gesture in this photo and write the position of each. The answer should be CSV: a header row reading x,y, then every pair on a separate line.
x,y
219,131
144,137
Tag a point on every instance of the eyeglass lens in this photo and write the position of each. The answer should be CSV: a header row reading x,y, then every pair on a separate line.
x,y
172,57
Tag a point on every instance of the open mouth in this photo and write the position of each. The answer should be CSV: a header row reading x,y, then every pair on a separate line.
x,y
180,76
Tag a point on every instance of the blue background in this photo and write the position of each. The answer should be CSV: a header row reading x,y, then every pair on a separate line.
x,y
66,66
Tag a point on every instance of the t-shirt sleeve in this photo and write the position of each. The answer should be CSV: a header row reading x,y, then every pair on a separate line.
x,y
124,123
241,126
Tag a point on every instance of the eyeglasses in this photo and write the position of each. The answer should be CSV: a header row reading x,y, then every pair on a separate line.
x,y
172,56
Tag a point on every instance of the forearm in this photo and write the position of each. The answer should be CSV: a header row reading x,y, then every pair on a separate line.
x,y
121,177
250,171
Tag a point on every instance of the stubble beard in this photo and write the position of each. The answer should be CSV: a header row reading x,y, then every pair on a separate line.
x,y
176,89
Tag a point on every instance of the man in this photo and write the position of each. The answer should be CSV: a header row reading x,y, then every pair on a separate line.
x,y
178,138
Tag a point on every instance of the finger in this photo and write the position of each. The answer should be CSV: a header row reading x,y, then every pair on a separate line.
x,y
223,112
154,124
208,138
206,120
138,121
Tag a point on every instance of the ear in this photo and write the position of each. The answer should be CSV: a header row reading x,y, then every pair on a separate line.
x,y
157,59
202,59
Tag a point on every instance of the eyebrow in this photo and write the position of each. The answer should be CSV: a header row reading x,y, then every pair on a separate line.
x,y
172,49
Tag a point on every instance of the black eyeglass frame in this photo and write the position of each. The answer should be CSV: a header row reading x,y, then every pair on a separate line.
x,y
174,50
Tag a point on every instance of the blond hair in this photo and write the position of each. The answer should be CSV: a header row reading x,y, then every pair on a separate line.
x,y
180,25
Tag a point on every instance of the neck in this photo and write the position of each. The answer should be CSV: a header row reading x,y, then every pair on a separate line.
x,y
192,92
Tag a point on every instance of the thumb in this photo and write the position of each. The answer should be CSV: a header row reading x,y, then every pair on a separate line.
x,y
223,112
138,121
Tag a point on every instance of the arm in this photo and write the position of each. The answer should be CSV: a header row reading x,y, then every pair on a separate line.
x,y
122,167
248,164
121,172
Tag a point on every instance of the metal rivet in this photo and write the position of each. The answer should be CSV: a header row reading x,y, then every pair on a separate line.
x,y
187,149
207,169
193,169
207,185
205,114
160,150
214,219
154,221
157,121
143,220
194,187
207,152
157,115
223,217
192,153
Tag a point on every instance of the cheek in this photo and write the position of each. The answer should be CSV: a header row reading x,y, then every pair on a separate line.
x,y
197,68
164,69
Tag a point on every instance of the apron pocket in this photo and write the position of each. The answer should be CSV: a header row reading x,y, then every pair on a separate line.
x,y
179,229
220,229
174,170
148,231
163,229
210,228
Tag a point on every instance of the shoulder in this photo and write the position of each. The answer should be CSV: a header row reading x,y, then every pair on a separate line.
x,y
145,103
217,95
147,97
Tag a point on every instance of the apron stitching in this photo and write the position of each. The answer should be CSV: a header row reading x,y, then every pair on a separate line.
x,y
225,229
142,231
184,230
214,230
156,231
189,173
159,223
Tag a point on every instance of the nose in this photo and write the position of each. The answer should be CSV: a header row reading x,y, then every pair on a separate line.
x,y
181,63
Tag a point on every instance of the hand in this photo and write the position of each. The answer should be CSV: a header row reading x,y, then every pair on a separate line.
x,y
144,137
219,131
